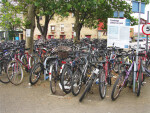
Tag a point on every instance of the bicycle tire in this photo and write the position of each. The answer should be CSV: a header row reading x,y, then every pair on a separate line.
x,y
33,59
102,84
76,82
113,96
66,77
139,83
3,71
52,79
35,73
86,90
12,73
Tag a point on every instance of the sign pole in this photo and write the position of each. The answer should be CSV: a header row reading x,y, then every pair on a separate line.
x,y
147,35
137,51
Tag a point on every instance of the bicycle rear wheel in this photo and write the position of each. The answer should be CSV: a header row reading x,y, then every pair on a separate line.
x,y
15,72
117,86
3,71
35,73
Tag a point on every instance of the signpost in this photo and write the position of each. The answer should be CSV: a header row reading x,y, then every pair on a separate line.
x,y
137,7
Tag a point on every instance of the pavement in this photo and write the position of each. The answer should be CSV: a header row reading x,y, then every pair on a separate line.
x,y
38,99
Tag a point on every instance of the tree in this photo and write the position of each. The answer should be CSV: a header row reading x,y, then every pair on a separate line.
x,y
88,12
10,21
47,9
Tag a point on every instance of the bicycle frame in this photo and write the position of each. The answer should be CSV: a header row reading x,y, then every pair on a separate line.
x,y
128,72
28,65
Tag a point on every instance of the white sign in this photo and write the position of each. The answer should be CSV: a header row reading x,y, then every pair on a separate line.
x,y
118,33
116,22
28,32
146,29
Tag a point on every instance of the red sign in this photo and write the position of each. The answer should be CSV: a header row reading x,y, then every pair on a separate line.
x,y
146,29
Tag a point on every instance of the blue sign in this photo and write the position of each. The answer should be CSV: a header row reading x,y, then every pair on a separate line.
x,y
143,7
16,38
116,14
135,7
127,22
119,14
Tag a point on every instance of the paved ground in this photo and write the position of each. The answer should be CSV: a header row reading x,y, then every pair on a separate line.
x,y
37,99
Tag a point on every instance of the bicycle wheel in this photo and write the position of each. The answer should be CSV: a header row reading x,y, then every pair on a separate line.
x,y
66,79
76,82
87,89
117,86
3,71
53,79
102,83
138,83
15,72
35,73
33,60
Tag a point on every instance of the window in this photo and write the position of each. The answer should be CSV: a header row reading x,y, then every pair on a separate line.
x,y
52,28
72,27
50,36
62,36
62,28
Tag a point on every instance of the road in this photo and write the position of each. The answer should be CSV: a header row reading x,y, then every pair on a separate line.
x,y
38,99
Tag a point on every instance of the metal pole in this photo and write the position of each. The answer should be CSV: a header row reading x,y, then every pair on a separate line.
x,y
147,35
137,51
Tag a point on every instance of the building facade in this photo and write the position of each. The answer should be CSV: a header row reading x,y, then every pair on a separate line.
x,y
63,28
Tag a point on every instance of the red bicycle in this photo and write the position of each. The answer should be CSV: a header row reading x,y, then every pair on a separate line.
x,y
15,70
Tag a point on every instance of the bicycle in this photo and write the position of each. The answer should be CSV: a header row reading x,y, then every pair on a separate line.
x,y
14,69
124,78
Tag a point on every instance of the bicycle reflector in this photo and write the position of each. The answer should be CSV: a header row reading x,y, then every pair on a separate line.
x,y
63,62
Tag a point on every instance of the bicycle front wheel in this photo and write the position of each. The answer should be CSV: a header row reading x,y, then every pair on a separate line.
x,y
76,82
36,72
102,84
87,89
15,72
66,79
3,71
53,79
138,83
117,86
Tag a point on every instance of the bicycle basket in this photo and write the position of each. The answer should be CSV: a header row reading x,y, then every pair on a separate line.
x,y
63,51
63,54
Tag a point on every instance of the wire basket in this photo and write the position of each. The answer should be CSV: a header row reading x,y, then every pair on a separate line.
x,y
63,54
63,51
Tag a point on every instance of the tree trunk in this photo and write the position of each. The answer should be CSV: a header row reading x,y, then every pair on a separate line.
x,y
31,19
78,27
43,29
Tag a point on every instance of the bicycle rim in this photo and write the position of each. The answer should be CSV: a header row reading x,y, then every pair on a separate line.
x,y
15,73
